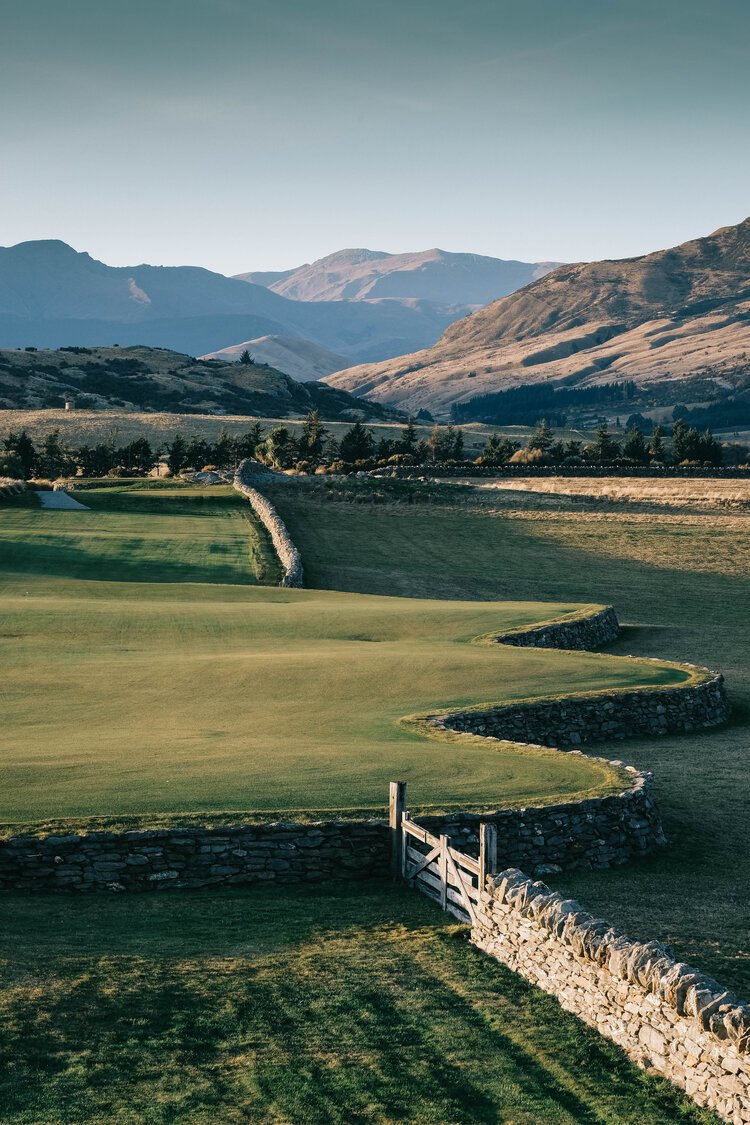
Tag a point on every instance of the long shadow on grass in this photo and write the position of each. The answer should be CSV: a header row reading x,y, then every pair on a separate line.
x,y
120,559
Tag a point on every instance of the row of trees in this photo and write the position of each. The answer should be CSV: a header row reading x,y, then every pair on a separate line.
x,y
279,448
315,448
544,448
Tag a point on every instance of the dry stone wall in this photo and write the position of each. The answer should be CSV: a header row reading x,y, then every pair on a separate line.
x,y
593,834
573,720
162,859
9,487
248,474
582,632
665,1015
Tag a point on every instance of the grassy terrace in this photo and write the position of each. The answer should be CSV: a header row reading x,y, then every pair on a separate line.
x,y
146,675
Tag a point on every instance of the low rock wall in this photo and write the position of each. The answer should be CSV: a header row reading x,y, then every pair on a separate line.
x,y
594,834
246,476
162,859
573,720
665,1015
583,632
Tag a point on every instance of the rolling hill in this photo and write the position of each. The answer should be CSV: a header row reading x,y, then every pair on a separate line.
x,y
301,359
675,322
156,379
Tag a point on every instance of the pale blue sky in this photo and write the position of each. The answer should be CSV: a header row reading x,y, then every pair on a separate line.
x,y
258,134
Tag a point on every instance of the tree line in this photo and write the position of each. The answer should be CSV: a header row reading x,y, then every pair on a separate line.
x,y
315,449
684,445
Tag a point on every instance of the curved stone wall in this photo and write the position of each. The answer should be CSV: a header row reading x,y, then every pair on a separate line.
x,y
664,1014
575,719
581,631
248,474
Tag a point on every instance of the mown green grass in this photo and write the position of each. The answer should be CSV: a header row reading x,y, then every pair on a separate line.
x,y
680,582
325,1006
144,677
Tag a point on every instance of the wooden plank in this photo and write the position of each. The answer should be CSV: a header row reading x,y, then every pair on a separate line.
x,y
454,904
430,878
419,860
419,833
443,871
432,874
453,894
412,829
460,882
466,861
396,805
457,912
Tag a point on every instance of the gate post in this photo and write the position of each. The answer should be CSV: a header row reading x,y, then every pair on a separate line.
x,y
396,806
487,853
443,865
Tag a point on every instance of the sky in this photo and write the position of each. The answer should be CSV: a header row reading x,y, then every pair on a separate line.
x,y
260,134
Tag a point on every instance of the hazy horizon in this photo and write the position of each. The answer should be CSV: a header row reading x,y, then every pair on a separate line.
x,y
260,135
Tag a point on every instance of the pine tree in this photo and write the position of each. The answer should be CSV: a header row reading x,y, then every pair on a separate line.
x,y
357,444
176,454
407,442
656,445
542,437
313,436
21,449
634,447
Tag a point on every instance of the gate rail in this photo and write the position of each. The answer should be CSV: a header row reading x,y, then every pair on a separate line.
x,y
430,865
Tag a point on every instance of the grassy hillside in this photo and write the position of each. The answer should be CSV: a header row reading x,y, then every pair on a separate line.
x,y
176,699
140,378
676,323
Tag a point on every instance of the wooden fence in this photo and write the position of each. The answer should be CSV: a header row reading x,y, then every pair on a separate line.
x,y
430,865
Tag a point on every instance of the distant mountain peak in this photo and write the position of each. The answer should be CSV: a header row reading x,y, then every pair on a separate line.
x,y
456,280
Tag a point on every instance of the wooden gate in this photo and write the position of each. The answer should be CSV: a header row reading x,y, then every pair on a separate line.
x,y
430,865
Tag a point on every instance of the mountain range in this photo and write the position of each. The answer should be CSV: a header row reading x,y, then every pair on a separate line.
x,y
52,296
675,324
464,281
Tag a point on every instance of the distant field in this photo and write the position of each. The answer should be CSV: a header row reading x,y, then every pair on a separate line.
x,y
91,426
145,674
676,491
